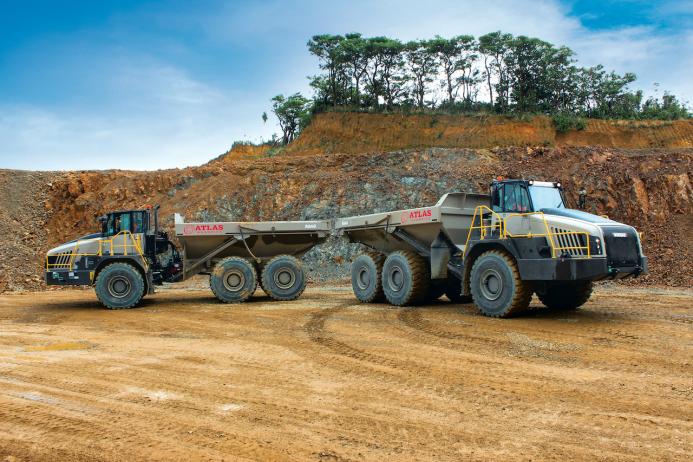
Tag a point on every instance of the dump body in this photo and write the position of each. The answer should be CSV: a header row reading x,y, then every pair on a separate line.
x,y
452,215
204,243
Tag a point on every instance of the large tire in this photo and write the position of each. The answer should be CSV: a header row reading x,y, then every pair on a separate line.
x,y
405,278
233,280
366,270
119,285
283,278
566,295
496,286
453,290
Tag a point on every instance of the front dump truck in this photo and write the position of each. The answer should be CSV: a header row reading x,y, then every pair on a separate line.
x,y
495,250
130,256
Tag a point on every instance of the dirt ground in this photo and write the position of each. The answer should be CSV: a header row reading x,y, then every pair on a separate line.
x,y
325,378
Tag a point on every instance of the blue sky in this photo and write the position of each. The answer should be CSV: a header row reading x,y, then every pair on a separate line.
x,y
157,84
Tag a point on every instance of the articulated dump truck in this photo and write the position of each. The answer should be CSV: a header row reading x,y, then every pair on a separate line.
x,y
494,250
130,256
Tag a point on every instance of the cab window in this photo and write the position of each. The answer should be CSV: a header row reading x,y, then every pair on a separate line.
x,y
139,224
118,222
515,198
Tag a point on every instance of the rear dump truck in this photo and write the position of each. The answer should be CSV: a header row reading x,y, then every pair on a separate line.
x,y
495,250
130,256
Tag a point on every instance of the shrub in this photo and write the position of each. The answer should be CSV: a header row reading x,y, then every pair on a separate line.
x,y
565,122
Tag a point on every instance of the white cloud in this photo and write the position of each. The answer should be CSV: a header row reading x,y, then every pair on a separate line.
x,y
159,118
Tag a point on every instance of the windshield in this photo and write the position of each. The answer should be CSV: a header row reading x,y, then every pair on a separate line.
x,y
544,197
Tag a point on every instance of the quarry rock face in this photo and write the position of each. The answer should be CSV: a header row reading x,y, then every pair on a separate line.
x,y
649,188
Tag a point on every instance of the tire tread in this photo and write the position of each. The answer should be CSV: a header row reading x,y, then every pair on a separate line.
x,y
221,262
523,291
264,277
137,274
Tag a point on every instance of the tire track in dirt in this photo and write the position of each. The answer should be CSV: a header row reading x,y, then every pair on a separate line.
x,y
124,414
459,341
321,422
104,391
393,372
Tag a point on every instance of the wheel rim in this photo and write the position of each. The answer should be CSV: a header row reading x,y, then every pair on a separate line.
x,y
363,278
119,286
234,280
395,278
284,278
491,284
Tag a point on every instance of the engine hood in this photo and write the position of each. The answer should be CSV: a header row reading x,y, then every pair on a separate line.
x,y
580,215
85,244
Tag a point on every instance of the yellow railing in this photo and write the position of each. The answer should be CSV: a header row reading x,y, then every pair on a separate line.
x,y
66,260
501,223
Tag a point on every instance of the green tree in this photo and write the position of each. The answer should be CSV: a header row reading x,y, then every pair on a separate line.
x,y
352,53
382,71
421,63
669,108
521,74
470,78
293,114
326,48
392,71
494,47
453,57
535,72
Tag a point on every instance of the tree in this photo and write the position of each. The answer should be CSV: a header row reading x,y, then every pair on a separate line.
x,y
352,54
452,56
470,75
326,48
535,71
293,114
520,74
374,54
391,71
421,63
494,47
670,108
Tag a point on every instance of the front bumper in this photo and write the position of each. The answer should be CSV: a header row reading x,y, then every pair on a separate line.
x,y
69,278
574,269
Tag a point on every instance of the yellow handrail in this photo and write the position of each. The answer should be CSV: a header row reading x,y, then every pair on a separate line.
x,y
112,245
502,225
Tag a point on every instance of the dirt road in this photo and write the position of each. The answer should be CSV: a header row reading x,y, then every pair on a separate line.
x,y
326,378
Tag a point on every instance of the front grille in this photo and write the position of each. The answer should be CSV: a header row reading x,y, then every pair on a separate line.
x,y
567,242
60,261
621,247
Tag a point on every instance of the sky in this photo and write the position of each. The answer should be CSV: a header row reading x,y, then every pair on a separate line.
x,y
148,85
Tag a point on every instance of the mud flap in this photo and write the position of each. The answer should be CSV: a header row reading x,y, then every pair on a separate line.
x,y
440,256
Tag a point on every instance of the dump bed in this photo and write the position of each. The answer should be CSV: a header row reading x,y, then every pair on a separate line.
x,y
261,239
452,214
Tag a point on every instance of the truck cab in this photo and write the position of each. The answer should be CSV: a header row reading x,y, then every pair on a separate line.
x,y
129,241
523,196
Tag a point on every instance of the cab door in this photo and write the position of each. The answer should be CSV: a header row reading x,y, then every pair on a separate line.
x,y
514,207
124,233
